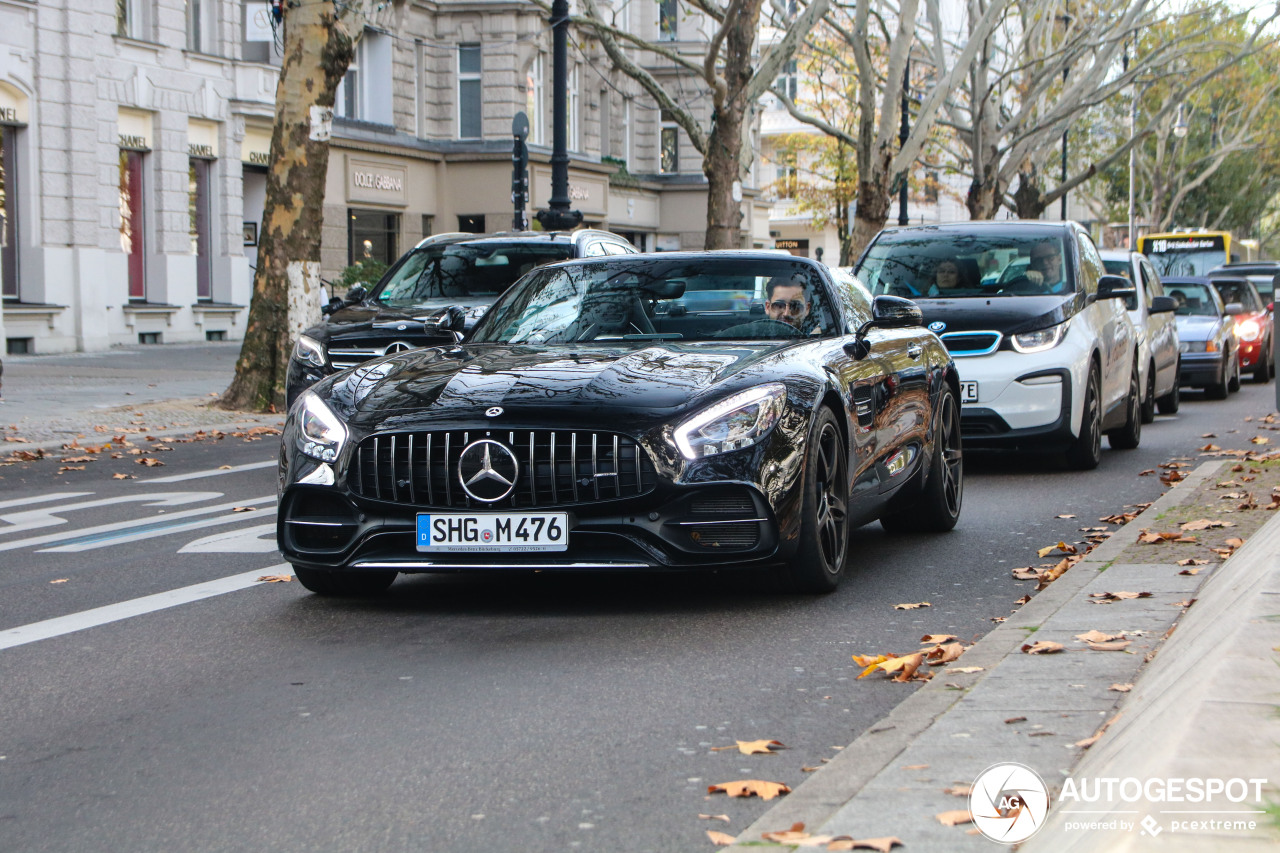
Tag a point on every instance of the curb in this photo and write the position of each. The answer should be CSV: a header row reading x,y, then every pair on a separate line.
x,y
818,798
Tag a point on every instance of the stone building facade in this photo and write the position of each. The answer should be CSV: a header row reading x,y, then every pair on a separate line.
x,y
135,138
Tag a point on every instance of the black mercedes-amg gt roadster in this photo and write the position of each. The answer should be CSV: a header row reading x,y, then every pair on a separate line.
x,y
685,411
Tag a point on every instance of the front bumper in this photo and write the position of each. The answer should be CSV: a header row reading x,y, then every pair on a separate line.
x,y
1250,354
674,527
1026,401
1199,369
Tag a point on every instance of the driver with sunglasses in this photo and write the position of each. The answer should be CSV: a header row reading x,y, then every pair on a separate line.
x,y
788,300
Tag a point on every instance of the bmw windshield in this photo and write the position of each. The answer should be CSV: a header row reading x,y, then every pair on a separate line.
x,y
922,264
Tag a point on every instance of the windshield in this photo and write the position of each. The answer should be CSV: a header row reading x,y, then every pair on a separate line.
x,y
644,299
464,271
1193,300
1192,262
924,264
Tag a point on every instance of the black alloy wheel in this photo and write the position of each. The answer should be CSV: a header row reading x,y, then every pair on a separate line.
x,y
1262,373
1219,390
323,582
1085,453
819,560
1128,436
936,509
1149,400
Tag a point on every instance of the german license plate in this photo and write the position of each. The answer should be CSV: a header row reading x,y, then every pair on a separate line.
x,y
514,531
968,392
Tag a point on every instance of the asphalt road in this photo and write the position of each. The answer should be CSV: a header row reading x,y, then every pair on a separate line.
x,y
455,713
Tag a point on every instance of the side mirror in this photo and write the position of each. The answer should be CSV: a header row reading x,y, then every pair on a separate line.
x,y
1271,307
887,312
1163,304
1115,287
453,320
357,293
1232,309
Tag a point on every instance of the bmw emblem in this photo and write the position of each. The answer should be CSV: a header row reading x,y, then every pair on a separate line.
x,y
937,326
493,412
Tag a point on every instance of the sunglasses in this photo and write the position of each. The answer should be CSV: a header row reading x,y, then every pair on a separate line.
x,y
796,305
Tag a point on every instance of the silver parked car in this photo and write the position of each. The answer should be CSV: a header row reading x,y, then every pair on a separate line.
x,y
1152,314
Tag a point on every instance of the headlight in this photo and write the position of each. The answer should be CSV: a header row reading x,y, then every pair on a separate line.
x,y
1041,339
309,351
1197,346
732,424
1248,330
321,432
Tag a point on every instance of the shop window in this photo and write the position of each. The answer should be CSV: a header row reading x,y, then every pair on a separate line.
x,y
133,19
373,235
471,224
470,96
667,12
202,26
9,213
199,220
131,220
669,145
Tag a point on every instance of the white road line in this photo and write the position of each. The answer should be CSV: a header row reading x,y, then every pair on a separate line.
x,y
212,472
71,535
33,519
41,499
61,625
159,528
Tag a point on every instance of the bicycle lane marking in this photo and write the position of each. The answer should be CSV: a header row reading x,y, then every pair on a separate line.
x,y
61,625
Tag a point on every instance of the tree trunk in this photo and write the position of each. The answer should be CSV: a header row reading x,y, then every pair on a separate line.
x,y
871,215
720,165
286,287
1028,198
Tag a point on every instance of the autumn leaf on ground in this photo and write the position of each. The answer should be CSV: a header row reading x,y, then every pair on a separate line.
x,y
150,462
1189,572
78,459
1042,647
720,839
1028,573
958,790
1205,524
1121,688
915,767
954,817
275,578
1192,561
965,670
70,468
936,639
59,580
796,835
884,845
945,654
1013,720
869,662
1090,741
1023,600
1064,516
244,509
905,666
723,817
1233,542
1260,439
911,606
1209,448
15,438
750,787
753,747
123,477
1099,637
1061,546
1117,646
1108,597
1172,477
1119,518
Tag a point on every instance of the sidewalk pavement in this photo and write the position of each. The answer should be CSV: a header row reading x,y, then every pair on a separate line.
x,y
1205,704
51,400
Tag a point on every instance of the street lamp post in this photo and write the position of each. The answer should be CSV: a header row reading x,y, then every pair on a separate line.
x,y
557,216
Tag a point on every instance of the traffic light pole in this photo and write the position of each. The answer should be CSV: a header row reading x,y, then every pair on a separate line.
x,y
520,171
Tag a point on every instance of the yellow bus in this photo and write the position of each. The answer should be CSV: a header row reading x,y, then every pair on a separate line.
x,y
1187,252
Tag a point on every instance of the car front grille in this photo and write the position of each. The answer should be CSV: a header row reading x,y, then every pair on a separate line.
x,y
554,468
971,343
346,357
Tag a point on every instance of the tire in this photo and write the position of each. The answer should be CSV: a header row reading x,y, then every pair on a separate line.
x,y
1218,390
349,584
1149,401
1169,403
1129,436
937,508
1233,384
1085,452
1262,374
818,563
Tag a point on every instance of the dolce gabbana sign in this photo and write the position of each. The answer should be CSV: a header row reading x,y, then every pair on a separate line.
x,y
376,182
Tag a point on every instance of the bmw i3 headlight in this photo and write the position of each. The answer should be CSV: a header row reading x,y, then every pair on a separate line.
x,y
1041,339
733,423
309,351
321,432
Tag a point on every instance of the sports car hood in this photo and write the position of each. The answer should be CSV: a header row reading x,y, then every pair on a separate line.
x,y
358,321
462,382
1010,315
1193,328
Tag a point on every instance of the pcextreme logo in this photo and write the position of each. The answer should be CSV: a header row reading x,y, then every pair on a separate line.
x,y
1008,802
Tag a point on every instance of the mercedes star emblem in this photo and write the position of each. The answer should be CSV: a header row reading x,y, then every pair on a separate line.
x,y
493,411
487,470
398,346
